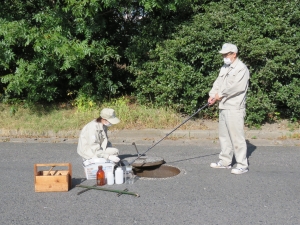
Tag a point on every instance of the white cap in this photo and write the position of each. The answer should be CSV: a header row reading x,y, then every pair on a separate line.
x,y
228,47
109,115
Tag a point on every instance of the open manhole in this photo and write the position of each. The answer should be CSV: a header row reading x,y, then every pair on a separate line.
x,y
153,167
161,171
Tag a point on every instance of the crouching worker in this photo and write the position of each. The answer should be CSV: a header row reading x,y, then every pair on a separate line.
x,y
93,141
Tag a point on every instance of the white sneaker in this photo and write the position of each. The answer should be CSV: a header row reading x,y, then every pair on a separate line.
x,y
239,170
218,165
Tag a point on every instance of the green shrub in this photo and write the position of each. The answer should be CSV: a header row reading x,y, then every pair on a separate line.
x,y
166,51
180,71
49,47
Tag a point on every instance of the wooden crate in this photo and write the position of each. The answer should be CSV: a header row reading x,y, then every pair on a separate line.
x,y
52,180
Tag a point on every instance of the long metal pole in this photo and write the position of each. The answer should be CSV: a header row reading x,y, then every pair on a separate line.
x,y
110,190
170,132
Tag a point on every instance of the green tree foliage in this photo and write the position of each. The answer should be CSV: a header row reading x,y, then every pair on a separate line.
x,y
180,71
51,48
164,50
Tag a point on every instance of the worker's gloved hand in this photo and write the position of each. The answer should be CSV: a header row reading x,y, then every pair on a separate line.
x,y
211,101
114,158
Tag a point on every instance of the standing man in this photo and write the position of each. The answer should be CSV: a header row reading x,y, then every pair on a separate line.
x,y
93,140
230,89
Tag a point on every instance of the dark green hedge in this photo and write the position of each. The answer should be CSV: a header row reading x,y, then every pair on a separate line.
x,y
163,52
180,70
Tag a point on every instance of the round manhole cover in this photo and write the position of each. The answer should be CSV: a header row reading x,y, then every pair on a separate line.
x,y
146,161
161,171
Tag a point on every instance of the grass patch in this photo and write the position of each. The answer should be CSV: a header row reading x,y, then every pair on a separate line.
x,y
291,136
55,119
65,120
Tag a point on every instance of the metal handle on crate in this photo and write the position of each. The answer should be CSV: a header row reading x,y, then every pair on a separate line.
x,y
53,165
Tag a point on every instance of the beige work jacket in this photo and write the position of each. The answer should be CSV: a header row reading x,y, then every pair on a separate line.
x,y
232,84
93,141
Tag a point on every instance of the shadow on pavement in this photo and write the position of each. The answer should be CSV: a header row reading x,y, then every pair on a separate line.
x,y
194,158
250,149
76,181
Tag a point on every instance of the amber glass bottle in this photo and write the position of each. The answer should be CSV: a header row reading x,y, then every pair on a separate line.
x,y
100,177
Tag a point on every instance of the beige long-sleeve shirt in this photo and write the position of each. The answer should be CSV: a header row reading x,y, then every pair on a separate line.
x,y
93,141
232,85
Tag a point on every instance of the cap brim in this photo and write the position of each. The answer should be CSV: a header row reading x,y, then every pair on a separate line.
x,y
113,120
223,52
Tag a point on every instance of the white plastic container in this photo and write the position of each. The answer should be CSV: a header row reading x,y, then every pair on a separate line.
x,y
119,176
91,167
110,178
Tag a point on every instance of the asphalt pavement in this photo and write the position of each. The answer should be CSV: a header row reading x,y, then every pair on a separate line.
x,y
267,194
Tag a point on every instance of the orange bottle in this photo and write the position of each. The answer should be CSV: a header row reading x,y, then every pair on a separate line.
x,y
100,176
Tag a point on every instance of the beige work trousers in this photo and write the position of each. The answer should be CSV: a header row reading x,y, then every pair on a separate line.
x,y
232,137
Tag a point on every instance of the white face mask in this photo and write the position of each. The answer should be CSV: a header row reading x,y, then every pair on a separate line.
x,y
108,124
227,61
